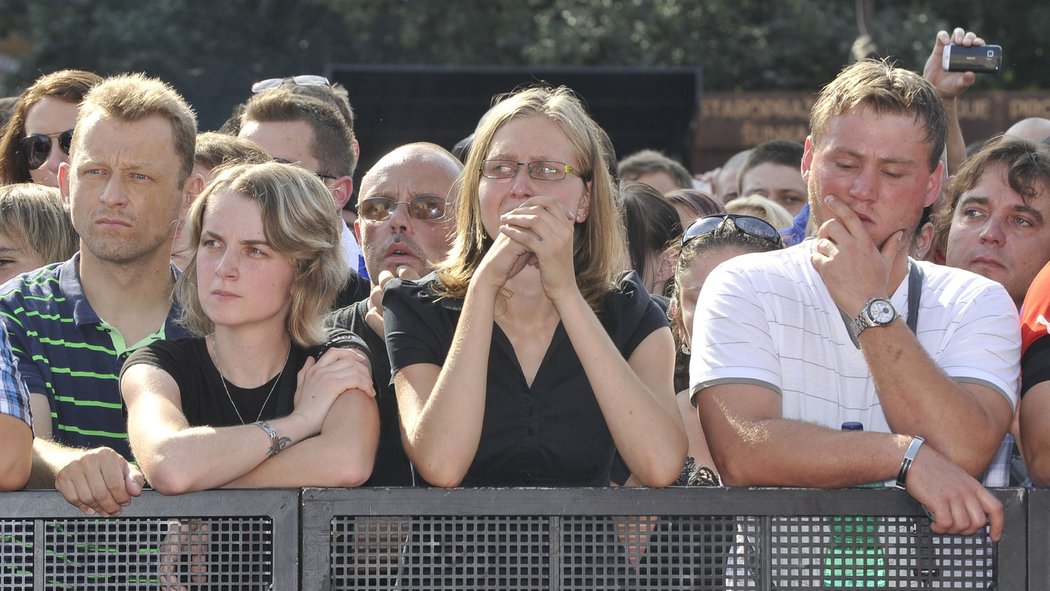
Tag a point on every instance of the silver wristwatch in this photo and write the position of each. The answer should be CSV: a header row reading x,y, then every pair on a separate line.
x,y
877,312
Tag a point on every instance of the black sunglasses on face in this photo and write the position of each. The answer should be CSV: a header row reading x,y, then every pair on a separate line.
x,y
747,224
36,148
422,207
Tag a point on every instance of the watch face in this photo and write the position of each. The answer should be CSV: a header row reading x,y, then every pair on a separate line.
x,y
882,312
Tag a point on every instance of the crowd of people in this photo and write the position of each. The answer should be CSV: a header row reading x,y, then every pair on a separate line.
x,y
189,311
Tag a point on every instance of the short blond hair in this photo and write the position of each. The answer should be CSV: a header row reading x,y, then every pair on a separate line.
x,y
762,207
134,97
34,213
298,222
877,85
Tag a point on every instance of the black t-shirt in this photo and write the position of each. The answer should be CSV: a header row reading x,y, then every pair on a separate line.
x,y
550,434
355,289
204,401
392,467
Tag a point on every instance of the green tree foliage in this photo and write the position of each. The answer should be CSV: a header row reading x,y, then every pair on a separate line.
x,y
212,51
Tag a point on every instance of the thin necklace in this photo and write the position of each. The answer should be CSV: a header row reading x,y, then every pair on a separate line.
x,y
218,365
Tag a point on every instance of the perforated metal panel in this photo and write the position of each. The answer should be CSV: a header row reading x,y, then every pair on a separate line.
x,y
868,552
233,541
16,554
220,553
440,552
521,540
644,552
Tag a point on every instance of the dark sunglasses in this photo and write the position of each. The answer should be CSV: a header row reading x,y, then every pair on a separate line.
x,y
747,224
36,149
423,207
303,80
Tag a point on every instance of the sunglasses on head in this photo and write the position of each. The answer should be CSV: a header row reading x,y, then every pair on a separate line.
x,y
324,176
36,148
747,224
422,207
303,80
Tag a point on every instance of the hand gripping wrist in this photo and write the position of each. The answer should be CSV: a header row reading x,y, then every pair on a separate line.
x,y
909,458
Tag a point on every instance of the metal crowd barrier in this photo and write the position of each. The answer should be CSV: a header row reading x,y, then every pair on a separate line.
x,y
210,540
511,539
684,538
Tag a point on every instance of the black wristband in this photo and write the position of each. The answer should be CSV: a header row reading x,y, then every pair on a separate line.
x,y
909,458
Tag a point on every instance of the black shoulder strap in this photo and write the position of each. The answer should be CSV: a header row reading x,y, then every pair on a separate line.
x,y
915,279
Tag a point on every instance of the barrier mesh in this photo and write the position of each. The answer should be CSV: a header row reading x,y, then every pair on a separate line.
x,y
116,554
643,553
16,554
442,552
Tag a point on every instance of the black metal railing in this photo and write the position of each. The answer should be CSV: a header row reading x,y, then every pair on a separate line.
x,y
511,539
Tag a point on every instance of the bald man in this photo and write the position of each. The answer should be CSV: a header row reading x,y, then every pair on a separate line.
x,y
1033,129
405,216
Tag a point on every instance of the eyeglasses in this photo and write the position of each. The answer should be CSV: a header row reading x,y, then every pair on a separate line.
x,y
422,207
303,80
325,177
37,148
541,170
747,224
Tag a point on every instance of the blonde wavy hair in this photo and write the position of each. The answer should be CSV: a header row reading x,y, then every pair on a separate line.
x,y
299,222
598,255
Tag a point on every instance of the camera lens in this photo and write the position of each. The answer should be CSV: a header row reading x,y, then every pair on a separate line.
x,y
990,54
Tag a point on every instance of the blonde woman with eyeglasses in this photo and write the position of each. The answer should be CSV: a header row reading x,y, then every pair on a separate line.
x,y
528,360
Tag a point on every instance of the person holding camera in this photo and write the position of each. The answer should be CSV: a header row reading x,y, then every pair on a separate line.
x,y
249,401
950,86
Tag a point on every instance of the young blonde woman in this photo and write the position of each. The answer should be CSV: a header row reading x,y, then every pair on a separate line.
x,y
249,402
527,360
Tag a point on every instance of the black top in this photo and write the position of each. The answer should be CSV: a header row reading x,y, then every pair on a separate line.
x,y
1035,364
392,467
552,434
204,400
355,289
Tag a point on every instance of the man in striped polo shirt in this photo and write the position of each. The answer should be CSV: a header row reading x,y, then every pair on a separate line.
x,y
72,324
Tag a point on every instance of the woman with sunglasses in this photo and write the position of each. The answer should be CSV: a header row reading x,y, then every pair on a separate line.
x,y
36,139
250,401
525,361
707,243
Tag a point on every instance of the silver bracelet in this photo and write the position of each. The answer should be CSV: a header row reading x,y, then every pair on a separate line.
x,y
909,457
276,443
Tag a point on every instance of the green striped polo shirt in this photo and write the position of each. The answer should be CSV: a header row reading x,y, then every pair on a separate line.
x,y
66,352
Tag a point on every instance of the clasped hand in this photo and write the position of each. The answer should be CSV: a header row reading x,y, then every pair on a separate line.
x,y
537,233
